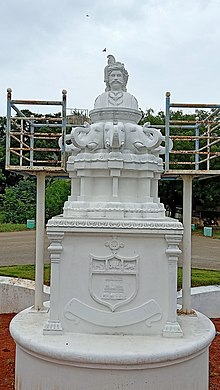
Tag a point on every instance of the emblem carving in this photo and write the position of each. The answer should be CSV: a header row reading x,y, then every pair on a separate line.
x,y
114,245
113,280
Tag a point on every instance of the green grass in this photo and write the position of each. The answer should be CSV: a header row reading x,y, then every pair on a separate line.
x,y
25,272
200,277
12,227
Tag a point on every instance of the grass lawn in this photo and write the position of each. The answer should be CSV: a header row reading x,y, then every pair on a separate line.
x,y
201,277
25,272
12,227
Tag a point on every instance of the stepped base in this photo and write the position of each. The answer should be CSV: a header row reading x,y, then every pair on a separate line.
x,y
74,361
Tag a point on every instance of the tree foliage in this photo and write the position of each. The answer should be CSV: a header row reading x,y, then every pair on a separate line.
x,y
57,192
20,200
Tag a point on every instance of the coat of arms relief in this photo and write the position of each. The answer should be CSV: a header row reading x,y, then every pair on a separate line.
x,y
113,282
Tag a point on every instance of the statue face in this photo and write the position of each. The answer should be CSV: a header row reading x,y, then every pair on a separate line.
x,y
116,80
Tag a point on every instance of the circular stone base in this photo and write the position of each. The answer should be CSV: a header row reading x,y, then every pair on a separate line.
x,y
97,362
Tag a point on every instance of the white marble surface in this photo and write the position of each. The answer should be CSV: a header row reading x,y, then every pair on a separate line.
x,y
139,362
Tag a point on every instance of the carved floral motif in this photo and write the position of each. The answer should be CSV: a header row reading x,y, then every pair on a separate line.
x,y
114,245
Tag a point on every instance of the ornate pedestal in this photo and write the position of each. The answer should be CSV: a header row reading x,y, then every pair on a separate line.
x,y
122,266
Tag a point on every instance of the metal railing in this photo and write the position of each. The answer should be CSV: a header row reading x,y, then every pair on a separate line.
x,y
196,143
32,140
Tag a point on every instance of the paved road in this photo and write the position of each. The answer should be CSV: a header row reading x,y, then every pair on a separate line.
x,y
19,248
205,252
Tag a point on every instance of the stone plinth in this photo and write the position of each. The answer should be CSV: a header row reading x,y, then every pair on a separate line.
x,y
75,361
118,291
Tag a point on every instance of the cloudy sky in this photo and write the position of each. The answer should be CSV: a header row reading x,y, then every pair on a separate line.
x,y
166,45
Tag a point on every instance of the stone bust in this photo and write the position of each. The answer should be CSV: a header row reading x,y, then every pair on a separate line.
x,y
115,120
115,95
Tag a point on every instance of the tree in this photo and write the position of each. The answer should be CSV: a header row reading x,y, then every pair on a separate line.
x,y
19,201
57,192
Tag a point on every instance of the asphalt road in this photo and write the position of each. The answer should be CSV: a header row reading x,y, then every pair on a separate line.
x,y
19,248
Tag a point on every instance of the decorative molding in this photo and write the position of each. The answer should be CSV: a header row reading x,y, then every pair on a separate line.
x,y
82,223
55,248
172,329
71,206
173,250
115,156
53,327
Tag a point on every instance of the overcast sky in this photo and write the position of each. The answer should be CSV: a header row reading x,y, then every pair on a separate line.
x,y
166,45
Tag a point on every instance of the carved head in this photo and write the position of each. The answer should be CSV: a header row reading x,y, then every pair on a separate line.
x,y
115,75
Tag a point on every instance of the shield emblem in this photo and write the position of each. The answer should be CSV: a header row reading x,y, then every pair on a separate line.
x,y
113,280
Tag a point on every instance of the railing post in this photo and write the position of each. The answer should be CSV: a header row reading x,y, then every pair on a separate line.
x,y
197,146
21,143
167,131
64,123
32,142
208,147
8,130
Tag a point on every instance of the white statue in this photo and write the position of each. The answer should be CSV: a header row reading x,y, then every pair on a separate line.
x,y
116,95
115,120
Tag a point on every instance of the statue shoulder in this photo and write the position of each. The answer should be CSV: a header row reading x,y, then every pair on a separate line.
x,y
130,101
123,99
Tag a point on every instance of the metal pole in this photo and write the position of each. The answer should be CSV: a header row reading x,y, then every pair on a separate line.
x,y
64,123
8,131
208,147
197,146
40,224
167,131
31,143
21,142
187,243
